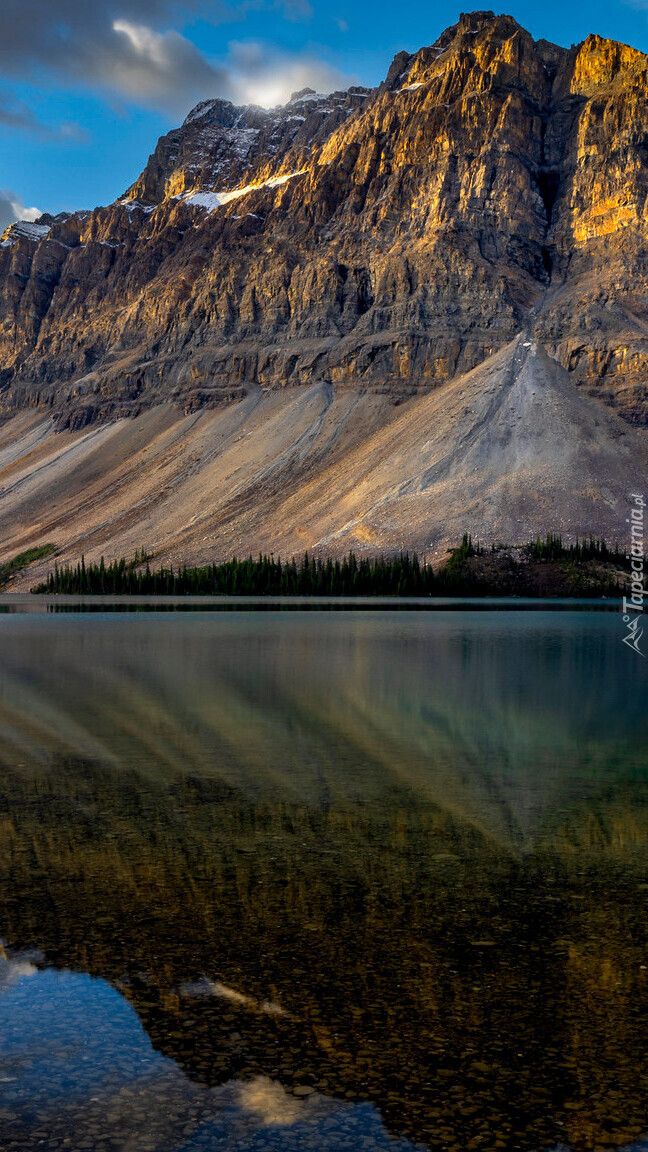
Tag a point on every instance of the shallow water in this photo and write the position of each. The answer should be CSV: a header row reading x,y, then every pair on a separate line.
x,y
341,880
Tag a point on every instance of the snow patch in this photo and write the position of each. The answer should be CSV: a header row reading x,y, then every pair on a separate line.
x,y
411,87
25,230
200,110
275,181
308,97
31,231
131,205
212,200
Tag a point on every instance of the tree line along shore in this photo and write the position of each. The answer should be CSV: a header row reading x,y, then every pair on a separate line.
x,y
543,567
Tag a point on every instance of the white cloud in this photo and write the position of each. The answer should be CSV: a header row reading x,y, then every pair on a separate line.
x,y
130,49
12,209
261,74
166,71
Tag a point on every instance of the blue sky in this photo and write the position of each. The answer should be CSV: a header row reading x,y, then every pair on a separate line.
x,y
87,86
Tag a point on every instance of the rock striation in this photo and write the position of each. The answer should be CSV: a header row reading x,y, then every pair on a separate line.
x,y
388,239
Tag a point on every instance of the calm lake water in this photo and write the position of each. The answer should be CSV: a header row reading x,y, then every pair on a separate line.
x,y
343,880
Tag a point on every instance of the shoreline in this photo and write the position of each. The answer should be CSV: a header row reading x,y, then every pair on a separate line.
x,y
35,603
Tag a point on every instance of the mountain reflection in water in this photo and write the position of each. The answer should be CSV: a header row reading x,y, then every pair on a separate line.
x,y
325,881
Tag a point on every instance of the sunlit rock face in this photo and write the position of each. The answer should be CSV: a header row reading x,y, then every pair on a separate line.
x,y
222,146
390,238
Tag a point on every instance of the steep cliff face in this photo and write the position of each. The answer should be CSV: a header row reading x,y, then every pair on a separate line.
x,y
221,146
595,318
389,239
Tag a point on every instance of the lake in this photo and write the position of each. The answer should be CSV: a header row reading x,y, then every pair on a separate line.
x,y
348,879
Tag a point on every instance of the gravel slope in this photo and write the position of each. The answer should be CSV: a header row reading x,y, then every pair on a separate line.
x,y
510,450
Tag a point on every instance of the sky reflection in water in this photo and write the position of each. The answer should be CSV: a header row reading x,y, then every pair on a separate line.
x,y
76,1064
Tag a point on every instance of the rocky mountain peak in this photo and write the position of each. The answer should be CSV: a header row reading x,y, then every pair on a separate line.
x,y
296,96
388,239
601,62
221,146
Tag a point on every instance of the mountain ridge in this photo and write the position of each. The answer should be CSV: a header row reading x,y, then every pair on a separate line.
x,y
475,173
361,254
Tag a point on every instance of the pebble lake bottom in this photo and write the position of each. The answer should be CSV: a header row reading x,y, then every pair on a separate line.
x,y
356,879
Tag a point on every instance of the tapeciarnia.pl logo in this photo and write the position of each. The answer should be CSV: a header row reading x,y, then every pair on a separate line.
x,y
634,605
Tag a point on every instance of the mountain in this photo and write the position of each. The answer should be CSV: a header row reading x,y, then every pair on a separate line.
x,y
337,274
504,451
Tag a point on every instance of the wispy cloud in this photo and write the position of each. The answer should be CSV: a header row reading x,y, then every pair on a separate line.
x,y
295,9
131,50
166,71
12,209
17,114
160,69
